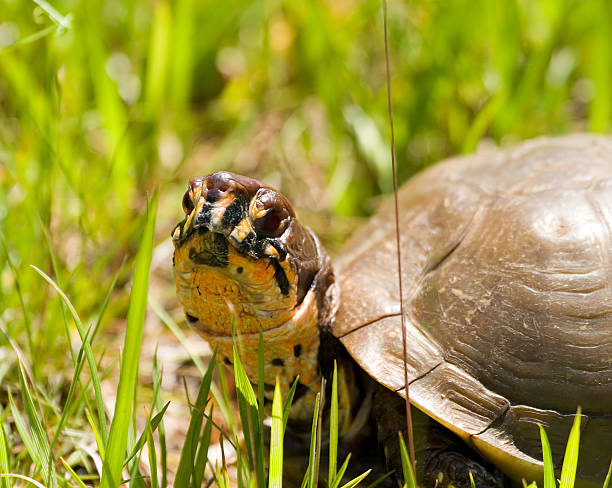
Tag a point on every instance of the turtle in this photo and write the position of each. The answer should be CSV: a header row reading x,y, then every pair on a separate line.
x,y
507,272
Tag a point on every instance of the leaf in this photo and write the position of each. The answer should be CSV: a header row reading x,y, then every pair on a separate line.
x,y
117,439
549,469
356,481
276,442
188,453
570,461
409,478
333,425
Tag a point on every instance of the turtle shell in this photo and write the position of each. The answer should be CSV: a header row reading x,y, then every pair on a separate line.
x,y
507,274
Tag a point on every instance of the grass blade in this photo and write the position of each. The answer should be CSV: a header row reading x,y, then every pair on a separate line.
x,y
39,438
67,410
117,440
335,482
26,438
608,476
88,352
157,403
570,461
153,424
549,469
288,402
333,426
188,454
380,480
247,406
356,481
23,477
202,456
259,433
309,478
96,433
152,457
409,478
4,457
75,476
276,441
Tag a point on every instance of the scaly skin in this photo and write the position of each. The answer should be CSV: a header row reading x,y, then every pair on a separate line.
x,y
232,265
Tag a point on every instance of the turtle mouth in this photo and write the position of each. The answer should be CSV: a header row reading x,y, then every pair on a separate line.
x,y
240,237
248,215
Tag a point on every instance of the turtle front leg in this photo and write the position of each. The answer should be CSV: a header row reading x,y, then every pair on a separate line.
x,y
443,460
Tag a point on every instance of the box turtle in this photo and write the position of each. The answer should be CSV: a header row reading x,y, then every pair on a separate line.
x,y
507,270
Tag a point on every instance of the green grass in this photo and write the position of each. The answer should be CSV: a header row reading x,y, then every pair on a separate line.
x,y
102,102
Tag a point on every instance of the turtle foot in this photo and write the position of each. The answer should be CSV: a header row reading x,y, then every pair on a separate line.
x,y
451,469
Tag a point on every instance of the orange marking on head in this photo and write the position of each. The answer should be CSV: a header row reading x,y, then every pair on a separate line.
x,y
248,284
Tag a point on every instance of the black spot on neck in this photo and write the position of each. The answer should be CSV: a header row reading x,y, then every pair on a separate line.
x,y
281,277
297,350
277,362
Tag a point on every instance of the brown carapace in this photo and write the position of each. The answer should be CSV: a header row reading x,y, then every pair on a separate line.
x,y
507,269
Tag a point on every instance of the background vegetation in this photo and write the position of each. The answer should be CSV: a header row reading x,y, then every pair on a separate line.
x,y
101,102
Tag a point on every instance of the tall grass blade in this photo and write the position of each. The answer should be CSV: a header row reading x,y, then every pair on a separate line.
x,y
4,457
549,469
23,477
608,476
22,304
27,439
335,482
39,434
247,406
472,483
380,480
185,468
259,431
67,410
72,473
570,461
276,442
356,481
409,477
288,402
157,66
117,440
152,424
600,111
96,433
182,57
154,483
157,402
333,425
202,456
93,368
309,477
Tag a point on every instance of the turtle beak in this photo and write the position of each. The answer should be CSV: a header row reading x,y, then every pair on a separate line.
x,y
218,203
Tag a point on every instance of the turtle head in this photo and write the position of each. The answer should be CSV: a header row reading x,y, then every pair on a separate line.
x,y
241,256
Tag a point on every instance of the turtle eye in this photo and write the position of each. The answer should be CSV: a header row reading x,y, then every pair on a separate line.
x,y
270,216
187,203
